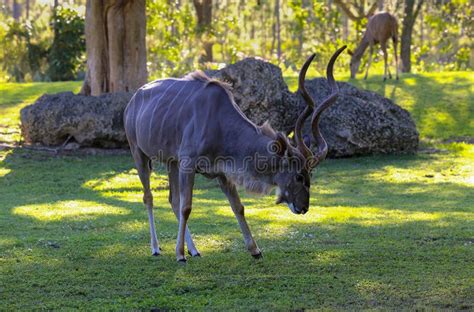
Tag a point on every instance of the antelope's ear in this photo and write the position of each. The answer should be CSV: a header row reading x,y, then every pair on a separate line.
x,y
350,52
280,145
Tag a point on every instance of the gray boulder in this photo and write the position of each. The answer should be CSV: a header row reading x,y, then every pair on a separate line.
x,y
362,122
87,120
261,92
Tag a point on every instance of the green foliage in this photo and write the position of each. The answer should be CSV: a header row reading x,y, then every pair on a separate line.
x,y
68,47
240,29
170,30
24,50
442,37
387,232
448,37
40,49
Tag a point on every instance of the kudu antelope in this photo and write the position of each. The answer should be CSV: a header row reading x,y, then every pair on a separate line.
x,y
381,27
194,126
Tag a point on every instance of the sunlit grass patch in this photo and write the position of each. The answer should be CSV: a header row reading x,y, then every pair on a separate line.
x,y
4,171
15,96
77,209
457,171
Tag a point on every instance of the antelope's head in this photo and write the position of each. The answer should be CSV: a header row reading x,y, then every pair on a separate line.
x,y
354,64
293,178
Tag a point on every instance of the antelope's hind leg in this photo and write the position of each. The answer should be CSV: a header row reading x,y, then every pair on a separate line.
x,y
186,184
385,61
232,195
144,168
173,177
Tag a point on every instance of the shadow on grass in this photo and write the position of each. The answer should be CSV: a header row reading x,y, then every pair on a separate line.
x,y
103,259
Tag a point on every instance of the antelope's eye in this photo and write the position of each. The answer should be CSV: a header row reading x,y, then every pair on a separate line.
x,y
299,178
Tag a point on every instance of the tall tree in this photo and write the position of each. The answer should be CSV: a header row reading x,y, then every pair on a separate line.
x,y
115,46
204,24
410,14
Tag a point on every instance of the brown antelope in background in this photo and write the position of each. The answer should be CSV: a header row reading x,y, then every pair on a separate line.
x,y
193,125
381,27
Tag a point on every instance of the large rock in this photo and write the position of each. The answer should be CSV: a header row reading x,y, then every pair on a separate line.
x,y
362,122
261,92
87,120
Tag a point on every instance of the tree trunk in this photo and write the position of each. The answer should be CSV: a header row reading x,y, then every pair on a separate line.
x,y
380,5
16,12
204,24
27,9
407,31
345,26
277,28
115,46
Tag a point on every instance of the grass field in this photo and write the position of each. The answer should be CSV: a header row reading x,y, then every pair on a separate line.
x,y
392,232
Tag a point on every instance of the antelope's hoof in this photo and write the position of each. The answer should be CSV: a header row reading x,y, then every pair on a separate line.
x,y
258,256
195,255
155,254
182,261
384,79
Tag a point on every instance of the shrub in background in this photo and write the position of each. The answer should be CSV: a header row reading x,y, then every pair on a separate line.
x,y
66,53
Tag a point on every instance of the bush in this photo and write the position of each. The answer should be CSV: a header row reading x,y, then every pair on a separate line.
x,y
23,51
68,47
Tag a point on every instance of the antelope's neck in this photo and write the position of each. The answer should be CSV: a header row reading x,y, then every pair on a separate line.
x,y
253,153
359,51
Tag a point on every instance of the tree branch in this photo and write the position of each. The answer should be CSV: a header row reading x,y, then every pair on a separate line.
x,y
372,9
418,8
346,10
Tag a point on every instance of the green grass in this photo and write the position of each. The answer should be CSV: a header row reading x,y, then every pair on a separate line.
x,y
382,232
440,103
15,96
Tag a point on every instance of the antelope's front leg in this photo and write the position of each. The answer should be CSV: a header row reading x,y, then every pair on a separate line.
x,y
233,196
186,184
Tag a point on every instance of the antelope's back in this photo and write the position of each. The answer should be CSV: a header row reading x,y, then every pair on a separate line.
x,y
163,113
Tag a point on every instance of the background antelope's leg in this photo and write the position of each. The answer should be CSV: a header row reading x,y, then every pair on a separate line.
x,y
371,51
186,183
143,164
395,43
385,58
173,175
233,196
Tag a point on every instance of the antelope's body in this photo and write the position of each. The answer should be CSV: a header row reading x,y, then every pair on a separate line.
x,y
170,119
194,126
380,28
